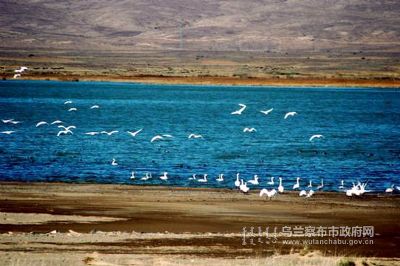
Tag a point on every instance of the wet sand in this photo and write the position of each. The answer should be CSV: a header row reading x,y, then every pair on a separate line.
x,y
194,224
227,81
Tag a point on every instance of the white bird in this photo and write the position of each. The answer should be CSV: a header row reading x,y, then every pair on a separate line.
x,y
318,136
270,194
146,177
390,189
92,133
114,162
95,107
193,177
134,133
57,122
254,181
243,187
16,76
398,188
109,133
248,129
10,121
310,185
203,180
8,132
155,138
132,175
195,136
239,112
167,136
266,112
64,132
164,176
41,123
21,69
303,193
237,182
310,193
72,109
271,182
342,184
297,185
321,186
220,178
67,128
280,187
290,114
68,102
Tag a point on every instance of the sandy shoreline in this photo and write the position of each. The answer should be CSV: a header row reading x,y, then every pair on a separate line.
x,y
228,81
182,221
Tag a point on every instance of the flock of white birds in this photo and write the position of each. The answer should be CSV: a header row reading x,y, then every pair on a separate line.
x,y
307,192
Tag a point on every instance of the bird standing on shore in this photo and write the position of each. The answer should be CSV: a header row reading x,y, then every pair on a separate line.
x,y
237,182
297,185
132,175
280,187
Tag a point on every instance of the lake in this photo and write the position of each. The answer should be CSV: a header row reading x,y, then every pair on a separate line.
x,y
361,129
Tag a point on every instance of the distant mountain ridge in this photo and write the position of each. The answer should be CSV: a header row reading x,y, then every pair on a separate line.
x,y
208,25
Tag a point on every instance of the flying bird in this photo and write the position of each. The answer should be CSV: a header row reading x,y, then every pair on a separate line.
x,y
290,114
68,102
239,112
57,122
41,123
317,136
67,128
250,130
155,138
109,133
270,194
6,121
195,136
72,109
64,132
133,134
92,133
266,112
95,107
16,76
7,132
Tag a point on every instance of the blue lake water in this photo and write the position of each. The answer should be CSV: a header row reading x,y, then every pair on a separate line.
x,y
361,129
